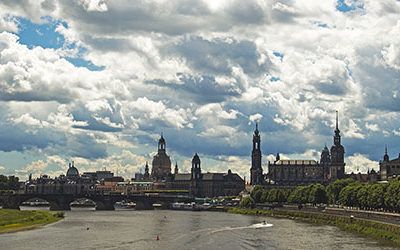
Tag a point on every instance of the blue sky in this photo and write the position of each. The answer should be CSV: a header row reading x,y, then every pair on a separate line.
x,y
97,81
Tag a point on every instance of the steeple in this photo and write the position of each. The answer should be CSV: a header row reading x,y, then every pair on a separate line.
x,y
386,156
336,137
256,171
176,170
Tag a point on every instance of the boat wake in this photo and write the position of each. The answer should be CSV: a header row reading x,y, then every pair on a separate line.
x,y
254,226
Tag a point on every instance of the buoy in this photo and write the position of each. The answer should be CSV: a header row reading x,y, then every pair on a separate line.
x,y
87,228
158,238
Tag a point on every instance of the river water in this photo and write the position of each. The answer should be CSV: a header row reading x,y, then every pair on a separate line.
x,y
180,230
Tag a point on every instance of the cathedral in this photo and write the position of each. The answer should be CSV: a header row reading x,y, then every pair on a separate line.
x,y
161,166
198,183
299,172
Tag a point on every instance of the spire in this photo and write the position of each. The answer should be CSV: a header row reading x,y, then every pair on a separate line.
x,y
256,132
337,120
386,156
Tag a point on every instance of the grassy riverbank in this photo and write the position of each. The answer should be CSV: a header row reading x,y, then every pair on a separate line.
x,y
386,233
12,220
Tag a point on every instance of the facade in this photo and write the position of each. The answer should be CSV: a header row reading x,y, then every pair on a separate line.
x,y
161,166
389,169
256,171
206,184
300,172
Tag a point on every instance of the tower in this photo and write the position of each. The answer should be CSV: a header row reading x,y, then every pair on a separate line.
x,y
256,171
325,162
337,154
195,187
383,171
161,165
176,170
146,175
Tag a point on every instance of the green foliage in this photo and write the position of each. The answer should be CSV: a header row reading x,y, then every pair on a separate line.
x,y
9,183
333,189
246,202
14,220
256,193
314,193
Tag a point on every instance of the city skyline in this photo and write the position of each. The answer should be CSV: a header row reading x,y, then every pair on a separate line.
x,y
98,81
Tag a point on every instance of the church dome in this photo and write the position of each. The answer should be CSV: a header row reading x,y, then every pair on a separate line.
x,y
72,171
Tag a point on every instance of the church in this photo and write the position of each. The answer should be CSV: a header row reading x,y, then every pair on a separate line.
x,y
198,183
299,172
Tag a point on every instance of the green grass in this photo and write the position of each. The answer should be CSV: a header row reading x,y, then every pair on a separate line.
x,y
12,220
385,233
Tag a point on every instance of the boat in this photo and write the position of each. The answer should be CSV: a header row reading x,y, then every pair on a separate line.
x,y
157,206
186,206
83,205
124,205
35,204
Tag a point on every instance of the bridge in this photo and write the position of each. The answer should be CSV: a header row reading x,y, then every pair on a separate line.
x,y
103,201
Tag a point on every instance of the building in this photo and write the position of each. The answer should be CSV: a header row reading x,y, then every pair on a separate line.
x,y
199,184
207,184
299,172
98,175
161,166
389,169
256,171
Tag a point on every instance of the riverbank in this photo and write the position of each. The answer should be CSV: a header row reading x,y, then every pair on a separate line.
x,y
385,233
12,220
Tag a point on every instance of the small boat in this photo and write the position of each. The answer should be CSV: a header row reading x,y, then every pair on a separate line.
x,y
124,205
186,206
36,204
157,206
83,205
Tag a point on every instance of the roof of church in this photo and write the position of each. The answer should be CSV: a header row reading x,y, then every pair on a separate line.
x,y
213,176
296,162
182,177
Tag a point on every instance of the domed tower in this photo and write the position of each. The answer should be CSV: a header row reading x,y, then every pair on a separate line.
x,y
72,172
256,171
337,155
195,187
161,165
325,161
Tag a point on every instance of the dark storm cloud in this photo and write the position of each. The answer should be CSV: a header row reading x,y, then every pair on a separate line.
x,y
218,56
202,89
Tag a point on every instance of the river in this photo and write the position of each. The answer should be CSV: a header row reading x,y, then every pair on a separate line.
x,y
180,230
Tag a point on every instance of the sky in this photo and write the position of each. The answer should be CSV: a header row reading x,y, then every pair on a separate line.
x,y
98,81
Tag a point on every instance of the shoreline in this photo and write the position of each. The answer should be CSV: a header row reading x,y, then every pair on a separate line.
x,y
12,220
387,234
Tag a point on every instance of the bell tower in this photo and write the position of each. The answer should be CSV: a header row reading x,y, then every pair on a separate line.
x,y
337,155
256,171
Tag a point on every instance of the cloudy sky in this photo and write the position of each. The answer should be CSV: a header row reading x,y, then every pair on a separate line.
x,y
97,81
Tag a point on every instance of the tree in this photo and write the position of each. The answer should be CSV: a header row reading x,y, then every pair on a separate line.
x,y
392,196
333,189
256,193
246,202
318,194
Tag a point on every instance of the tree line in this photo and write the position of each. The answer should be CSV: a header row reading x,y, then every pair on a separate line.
x,y
9,183
345,192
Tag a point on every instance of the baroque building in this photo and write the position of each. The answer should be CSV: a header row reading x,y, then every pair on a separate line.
x,y
161,165
389,169
299,172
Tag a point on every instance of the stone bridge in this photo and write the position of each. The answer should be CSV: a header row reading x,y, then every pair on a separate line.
x,y
103,201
